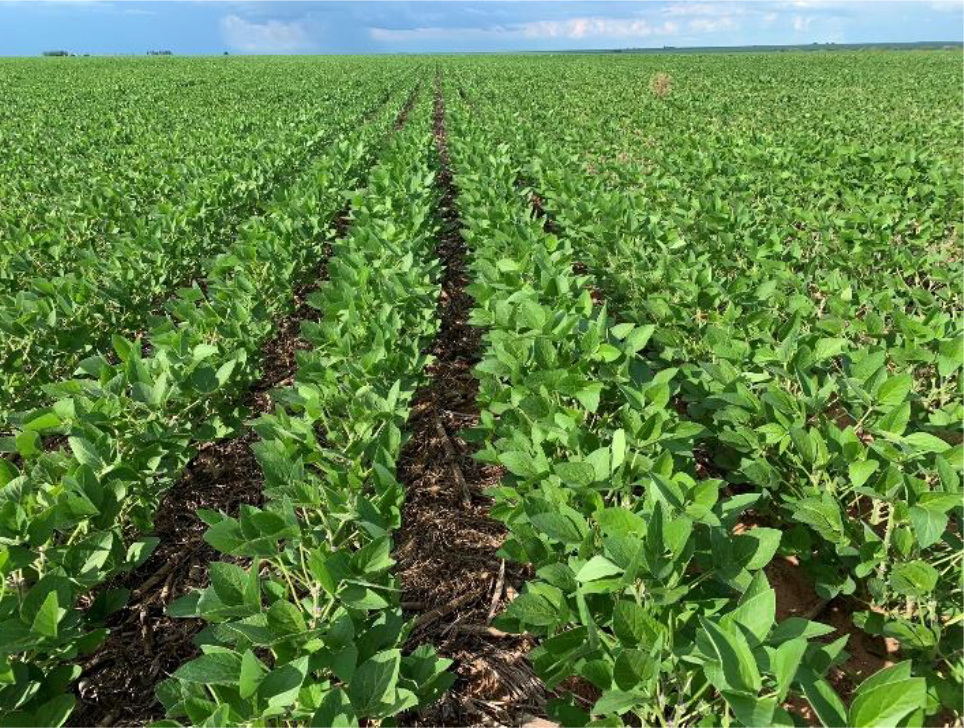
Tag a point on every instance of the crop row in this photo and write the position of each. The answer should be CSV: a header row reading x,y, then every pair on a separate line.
x,y
814,320
52,319
649,583
69,509
310,629
129,135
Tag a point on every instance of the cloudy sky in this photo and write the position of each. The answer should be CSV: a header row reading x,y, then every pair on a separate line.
x,y
27,27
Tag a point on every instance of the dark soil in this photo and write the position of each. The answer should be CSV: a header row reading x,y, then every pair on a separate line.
x,y
145,645
446,548
402,117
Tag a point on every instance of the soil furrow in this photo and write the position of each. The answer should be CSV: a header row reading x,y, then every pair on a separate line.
x,y
145,645
446,548
402,117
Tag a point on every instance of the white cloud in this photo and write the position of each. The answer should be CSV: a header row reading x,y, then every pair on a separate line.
x,y
696,9
812,4
801,23
273,36
597,28
716,25
572,28
410,35
947,6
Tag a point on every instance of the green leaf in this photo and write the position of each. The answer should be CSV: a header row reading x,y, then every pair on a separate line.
x,y
951,356
621,331
632,669
823,515
520,463
251,675
618,449
638,338
86,453
533,608
598,567
374,683
336,711
203,351
280,686
759,544
225,536
223,374
632,624
887,703
914,578
561,526
784,664
829,347
214,668
794,627
929,525
895,421
734,658
48,617
286,618
579,474
229,582
925,442
861,470
616,702
38,596
894,390
55,712
894,673
533,315
27,443
46,421
589,396
824,700
751,711
766,289
756,613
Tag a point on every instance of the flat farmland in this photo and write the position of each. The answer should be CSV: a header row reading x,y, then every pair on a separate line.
x,y
582,389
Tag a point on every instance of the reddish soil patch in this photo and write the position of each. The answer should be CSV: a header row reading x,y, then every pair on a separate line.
x,y
868,653
796,597
794,589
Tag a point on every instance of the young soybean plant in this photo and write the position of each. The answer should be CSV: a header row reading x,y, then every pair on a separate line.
x,y
310,630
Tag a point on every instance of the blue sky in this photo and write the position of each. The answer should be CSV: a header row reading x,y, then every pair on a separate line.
x,y
27,27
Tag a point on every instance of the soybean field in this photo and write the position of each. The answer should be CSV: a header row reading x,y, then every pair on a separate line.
x,y
528,390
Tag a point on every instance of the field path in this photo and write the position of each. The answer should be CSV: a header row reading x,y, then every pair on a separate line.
x,y
450,573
